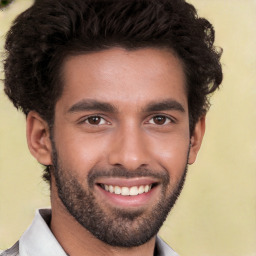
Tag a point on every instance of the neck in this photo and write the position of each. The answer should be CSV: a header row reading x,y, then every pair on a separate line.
x,y
76,240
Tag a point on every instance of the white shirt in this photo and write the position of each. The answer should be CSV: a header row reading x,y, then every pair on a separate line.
x,y
38,240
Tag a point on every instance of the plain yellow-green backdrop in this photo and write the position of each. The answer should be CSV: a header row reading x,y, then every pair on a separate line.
x,y
216,213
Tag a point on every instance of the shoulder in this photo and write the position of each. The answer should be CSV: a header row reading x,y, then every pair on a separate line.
x,y
13,251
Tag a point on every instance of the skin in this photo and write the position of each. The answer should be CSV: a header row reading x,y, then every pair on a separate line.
x,y
130,136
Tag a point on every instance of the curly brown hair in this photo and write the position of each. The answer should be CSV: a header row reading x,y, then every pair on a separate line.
x,y
49,31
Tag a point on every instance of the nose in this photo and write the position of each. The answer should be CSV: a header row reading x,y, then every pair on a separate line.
x,y
129,149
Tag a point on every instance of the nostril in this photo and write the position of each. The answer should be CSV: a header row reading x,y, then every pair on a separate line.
x,y
129,152
118,165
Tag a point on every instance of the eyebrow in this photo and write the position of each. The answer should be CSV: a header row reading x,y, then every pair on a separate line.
x,y
168,104
95,105
92,105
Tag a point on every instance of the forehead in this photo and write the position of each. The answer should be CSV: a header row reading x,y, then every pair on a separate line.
x,y
124,77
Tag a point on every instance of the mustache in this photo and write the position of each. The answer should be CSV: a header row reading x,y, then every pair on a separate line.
x,y
121,172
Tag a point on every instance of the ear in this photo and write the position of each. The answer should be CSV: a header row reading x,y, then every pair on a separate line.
x,y
38,138
196,140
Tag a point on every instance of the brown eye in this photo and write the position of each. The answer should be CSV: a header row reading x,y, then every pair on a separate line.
x,y
95,120
159,120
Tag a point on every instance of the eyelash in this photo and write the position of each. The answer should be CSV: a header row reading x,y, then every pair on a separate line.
x,y
167,120
95,116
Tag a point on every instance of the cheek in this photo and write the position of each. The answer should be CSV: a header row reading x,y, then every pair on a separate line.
x,y
80,152
172,154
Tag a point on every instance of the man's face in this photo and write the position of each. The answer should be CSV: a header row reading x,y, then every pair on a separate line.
x,y
121,141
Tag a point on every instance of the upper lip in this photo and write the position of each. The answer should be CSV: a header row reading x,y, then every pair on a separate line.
x,y
127,182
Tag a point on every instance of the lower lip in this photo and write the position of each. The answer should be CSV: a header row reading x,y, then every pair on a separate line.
x,y
127,201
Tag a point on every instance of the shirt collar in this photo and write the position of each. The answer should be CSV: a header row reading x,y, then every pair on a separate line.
x,y
38,240
163,249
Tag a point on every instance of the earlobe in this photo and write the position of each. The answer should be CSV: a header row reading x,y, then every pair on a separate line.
x,y
196,140
38,138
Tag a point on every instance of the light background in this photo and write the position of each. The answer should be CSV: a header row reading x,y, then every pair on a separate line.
x,y
216,213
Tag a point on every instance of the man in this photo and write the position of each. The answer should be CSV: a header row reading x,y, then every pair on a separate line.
x,y
115,94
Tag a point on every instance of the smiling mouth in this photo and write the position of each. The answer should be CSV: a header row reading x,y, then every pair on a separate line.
x,y
127,191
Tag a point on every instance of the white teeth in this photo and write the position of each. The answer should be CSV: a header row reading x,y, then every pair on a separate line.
x,y
134,191
111,188
141,189
126,191
117,190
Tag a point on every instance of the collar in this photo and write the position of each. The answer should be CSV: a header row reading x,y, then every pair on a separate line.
x,y
38,240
